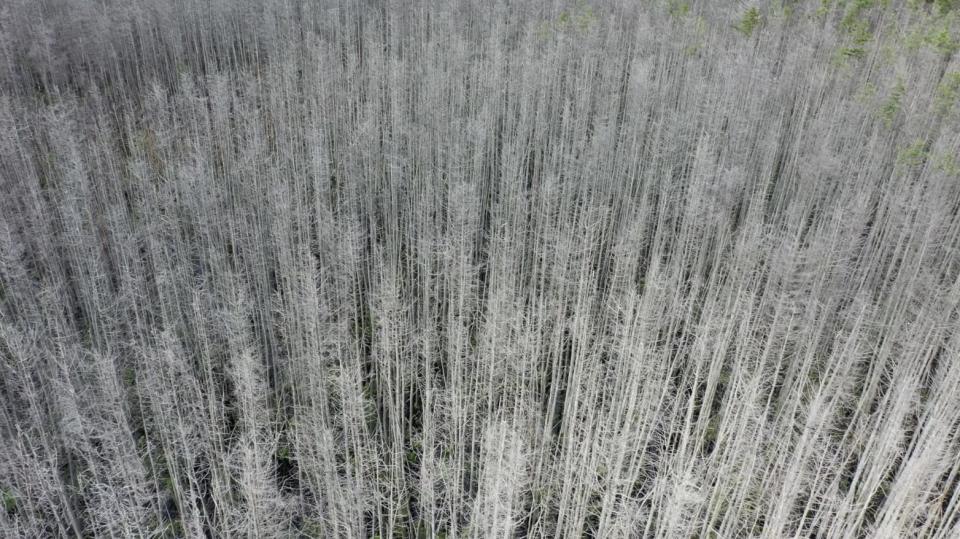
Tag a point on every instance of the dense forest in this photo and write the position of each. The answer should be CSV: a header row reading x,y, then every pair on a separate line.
x,y
450,268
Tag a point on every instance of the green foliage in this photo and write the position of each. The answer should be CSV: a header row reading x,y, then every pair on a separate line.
x,y
867,93
719,506
914,154
9,501
937,31
783,8
942,40
945,6
713,428
748,22
847,53
890,107
578,20
947,163
860,33
173,530
824,8
129,377
402,518
947,92
852,16
584,17
311,528
695,43
678,8
940,7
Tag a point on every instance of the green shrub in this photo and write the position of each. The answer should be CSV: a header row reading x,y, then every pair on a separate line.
x,y
748,22
947,163
948,91
678,9
580,19
9,501
891,106
914,154
942,41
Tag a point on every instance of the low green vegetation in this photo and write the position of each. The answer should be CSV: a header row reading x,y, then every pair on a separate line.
x,y
9,501
573,21
748,21
891,106
914,154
